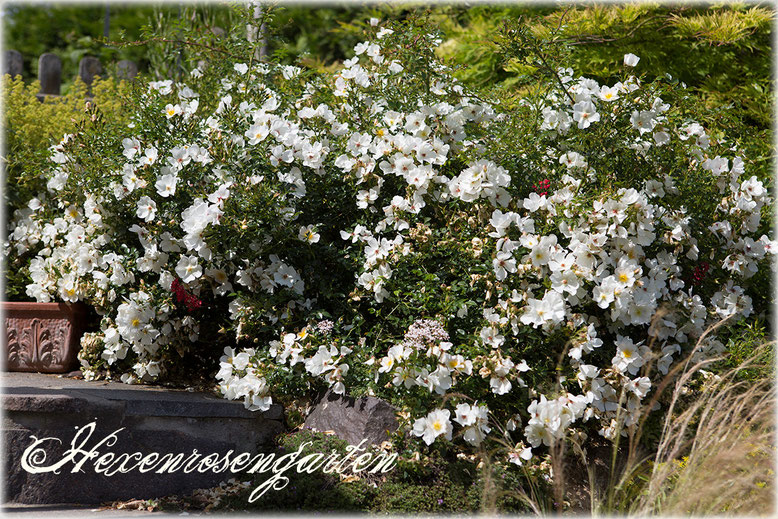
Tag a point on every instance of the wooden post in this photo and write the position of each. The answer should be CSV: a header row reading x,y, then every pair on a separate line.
x,y
252,33
262,32
49,74
13,63
107,21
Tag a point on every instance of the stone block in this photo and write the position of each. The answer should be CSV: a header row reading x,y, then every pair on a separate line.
x,y
152,419
126,70
50,73
88,68
13,63
353,419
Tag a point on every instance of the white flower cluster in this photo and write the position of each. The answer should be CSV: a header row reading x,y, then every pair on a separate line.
x,y
550,418
241,379
238,379
84,254
423,359
619,251
584,256
473,418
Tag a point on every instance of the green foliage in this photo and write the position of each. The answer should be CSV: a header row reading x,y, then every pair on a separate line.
x,y
748,341
30,127
723,26
175,40
318,36
722,52
730,43
72,32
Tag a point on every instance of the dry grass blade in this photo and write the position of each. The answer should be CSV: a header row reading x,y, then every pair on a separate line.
x,y
716,457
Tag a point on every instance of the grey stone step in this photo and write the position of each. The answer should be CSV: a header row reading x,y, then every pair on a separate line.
x,y
153,420
80,511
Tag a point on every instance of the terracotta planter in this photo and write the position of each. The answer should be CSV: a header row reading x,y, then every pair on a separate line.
x,y
43,337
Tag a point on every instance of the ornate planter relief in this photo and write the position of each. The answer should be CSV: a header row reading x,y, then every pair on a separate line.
x,y
43,337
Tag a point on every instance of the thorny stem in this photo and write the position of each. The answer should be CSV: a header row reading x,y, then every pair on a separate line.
x,y
553,72
584,40
166,40
561,19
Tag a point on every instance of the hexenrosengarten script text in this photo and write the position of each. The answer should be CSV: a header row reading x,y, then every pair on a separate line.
x,y
109,463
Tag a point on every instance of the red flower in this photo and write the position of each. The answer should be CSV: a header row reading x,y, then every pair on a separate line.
x,y
541,188
182,296
700,272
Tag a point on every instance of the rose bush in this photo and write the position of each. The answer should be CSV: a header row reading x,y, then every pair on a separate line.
x,y
497,272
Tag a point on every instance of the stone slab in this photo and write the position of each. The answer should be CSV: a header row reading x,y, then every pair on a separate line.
x,y
13,63
152,419
126,70
79,511
50,73
137,399
88,68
